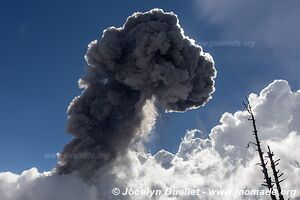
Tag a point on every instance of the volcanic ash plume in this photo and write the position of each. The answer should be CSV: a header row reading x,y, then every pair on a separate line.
x,y
148,62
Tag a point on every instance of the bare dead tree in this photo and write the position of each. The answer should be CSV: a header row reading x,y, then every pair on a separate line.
x,y
268,180
276,173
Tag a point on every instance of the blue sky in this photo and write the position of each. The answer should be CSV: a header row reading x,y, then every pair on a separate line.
x,y
42,48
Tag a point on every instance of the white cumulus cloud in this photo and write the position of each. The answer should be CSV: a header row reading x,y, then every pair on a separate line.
x,y
221,161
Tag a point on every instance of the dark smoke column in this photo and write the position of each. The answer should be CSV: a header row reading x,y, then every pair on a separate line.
x,y
149,58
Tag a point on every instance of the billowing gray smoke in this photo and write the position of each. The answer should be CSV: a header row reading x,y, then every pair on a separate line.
x,y
149,58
